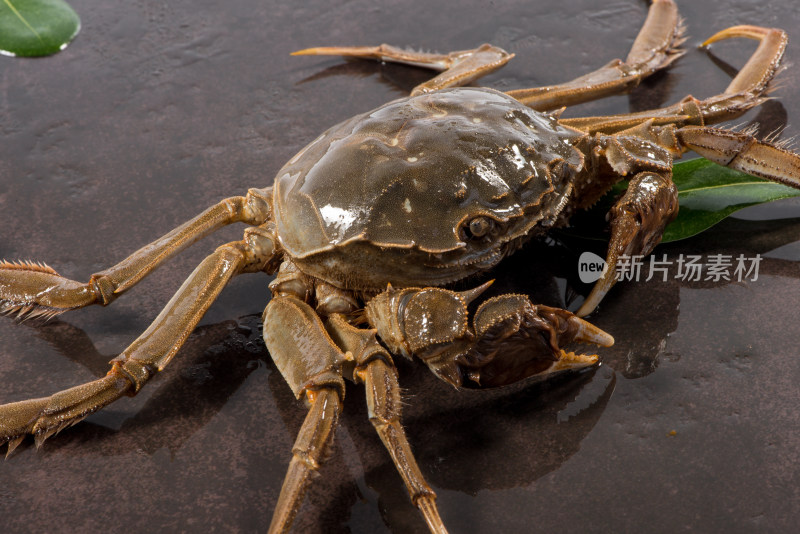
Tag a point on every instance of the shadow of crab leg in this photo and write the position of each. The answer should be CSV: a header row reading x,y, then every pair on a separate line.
x,y
745,91
637,220
655,48
311,364
148,354
374,367
458,68
29,289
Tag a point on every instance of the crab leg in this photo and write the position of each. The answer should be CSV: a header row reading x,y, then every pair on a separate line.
x,y
29,289
638,220
148,354
374,367
745,91
384,403
312,366
655,47
458,68
743,152
309,451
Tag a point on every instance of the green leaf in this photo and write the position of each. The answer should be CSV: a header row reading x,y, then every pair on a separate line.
x,y
36,27
707,193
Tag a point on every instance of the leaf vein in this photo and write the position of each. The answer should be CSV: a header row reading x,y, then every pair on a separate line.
x,y
719,186
22,19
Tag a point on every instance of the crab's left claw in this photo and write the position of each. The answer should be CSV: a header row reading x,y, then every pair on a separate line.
x,y
509,339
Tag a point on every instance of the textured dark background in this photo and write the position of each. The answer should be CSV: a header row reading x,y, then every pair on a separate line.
x,y
157,110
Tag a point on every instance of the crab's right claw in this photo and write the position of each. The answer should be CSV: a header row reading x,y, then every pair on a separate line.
x,y
509,339
517,339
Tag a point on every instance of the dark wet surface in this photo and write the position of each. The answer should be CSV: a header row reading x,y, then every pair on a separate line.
x,y
158,110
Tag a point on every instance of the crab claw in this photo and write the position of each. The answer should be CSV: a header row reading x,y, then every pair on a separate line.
x,y
509,338
586,332
515,339
413,320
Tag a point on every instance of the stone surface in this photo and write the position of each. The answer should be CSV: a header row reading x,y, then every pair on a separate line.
x,y
158,110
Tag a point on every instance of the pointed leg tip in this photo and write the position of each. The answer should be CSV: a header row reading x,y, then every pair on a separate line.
x,y
346,51
599,291
427,505
304,52
321,51
745,30
13,443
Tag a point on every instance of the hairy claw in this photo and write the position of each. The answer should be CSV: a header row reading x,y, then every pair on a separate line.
x,y
17,420
31,290
47,416
27,265
18,306
23,312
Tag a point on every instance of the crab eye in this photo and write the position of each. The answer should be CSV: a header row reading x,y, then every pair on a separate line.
x,y
479,226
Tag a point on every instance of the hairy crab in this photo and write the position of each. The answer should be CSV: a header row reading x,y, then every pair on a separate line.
x,y
347,216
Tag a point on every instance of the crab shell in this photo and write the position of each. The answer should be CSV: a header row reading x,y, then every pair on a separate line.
x,y
388,196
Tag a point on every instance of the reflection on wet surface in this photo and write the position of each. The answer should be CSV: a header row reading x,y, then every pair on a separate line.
x,y
157,111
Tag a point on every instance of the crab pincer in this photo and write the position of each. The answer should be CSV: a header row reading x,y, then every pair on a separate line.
x,y
509,339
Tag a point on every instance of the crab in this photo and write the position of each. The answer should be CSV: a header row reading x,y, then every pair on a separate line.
x,y
375,229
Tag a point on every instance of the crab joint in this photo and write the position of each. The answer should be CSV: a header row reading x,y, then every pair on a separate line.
x,y
411,320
